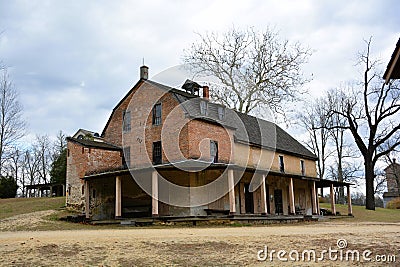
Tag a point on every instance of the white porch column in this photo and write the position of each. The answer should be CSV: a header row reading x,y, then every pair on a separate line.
x,y
350,207
333,206
87,200
291,197
314,199
231,187
154,193
264,206
118,205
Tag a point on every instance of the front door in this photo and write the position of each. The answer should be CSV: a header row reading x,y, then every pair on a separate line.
x,y
278,201
249,202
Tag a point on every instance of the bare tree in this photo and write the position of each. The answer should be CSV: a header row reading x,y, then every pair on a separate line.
x,y
43,153
315,120
15,167
372,116
31,167
343,150
256,69
12,126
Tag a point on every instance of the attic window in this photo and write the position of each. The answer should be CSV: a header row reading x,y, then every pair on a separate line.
x,y
203,108
221,113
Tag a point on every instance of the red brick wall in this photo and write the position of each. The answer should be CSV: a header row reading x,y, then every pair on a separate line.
x,y
143,133
81,160
181,138
200,133
113,131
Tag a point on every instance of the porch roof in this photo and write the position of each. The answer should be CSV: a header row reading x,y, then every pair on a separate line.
x,y
327,183
36,186
198,165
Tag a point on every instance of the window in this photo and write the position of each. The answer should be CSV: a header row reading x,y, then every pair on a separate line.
x,y
157,153
203,108
83,190
221,113
94,193
157,114
302,167
127,157
214,151
281,164
126,124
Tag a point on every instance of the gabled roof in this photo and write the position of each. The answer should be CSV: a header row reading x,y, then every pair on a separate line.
x,y
393,68
93,144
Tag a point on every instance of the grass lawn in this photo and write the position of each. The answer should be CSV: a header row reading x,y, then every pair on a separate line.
x,y
14,206
363,215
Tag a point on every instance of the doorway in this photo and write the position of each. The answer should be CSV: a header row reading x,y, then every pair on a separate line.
x,y
278,201
248,198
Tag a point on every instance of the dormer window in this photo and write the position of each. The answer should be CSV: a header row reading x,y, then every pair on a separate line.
x,y
203,107
157,114
221,113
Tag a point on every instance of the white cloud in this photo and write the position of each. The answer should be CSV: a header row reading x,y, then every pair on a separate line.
x,y
72,61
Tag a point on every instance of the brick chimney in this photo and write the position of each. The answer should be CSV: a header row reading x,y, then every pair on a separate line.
x,y
206,92
144,72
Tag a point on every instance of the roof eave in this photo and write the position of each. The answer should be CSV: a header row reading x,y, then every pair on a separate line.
x,y
394,64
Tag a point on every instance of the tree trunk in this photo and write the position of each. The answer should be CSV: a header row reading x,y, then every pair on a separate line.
x,y
369,185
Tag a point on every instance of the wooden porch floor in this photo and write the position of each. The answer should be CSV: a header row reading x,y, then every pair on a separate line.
x,y
207,219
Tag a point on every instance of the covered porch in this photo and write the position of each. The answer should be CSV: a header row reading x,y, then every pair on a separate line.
x,y
331,185
248,193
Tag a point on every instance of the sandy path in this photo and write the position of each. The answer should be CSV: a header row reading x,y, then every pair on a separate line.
x,y
24,221
235,246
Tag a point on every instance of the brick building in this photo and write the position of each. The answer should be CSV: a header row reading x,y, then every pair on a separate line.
x,y
392,174
171,152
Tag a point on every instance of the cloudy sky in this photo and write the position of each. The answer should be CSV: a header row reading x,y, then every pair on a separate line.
x,y
72,61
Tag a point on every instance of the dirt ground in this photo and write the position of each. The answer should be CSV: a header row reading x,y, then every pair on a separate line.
x,y
201,246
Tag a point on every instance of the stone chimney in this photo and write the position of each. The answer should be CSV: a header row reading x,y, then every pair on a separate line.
x,y
206,92
144,72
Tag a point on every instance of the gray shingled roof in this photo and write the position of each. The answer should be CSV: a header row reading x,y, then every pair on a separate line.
x,y
249,129
93,144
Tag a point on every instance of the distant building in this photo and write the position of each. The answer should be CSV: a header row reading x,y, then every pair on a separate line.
x,y
88,135
392,173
